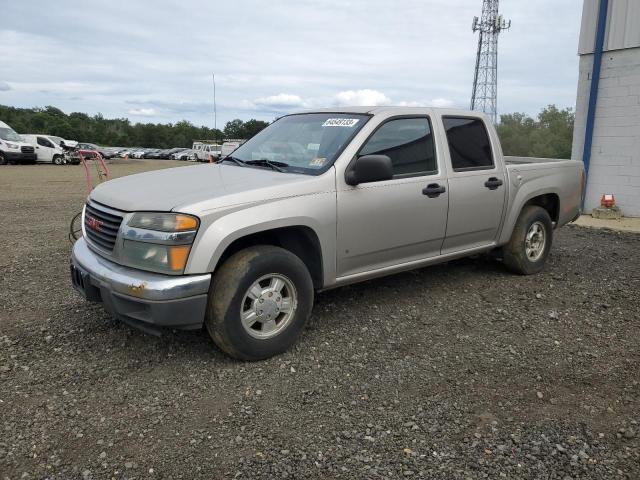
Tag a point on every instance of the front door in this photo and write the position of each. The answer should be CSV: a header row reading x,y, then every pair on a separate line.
x,y
476,186
44,149
399,220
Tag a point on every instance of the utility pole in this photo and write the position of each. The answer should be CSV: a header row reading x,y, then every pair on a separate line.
x,y
215,114
484,96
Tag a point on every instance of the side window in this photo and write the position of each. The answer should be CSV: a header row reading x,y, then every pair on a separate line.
x,y
469,144
408,142
43,142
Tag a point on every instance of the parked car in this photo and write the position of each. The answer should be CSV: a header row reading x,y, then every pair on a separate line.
x,y
62,142
183,154
47,149
68,147
208,150
13,148
140,153
91,146
314,201
172,151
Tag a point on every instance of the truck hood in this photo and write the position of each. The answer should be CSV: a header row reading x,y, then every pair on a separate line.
x,y
201,187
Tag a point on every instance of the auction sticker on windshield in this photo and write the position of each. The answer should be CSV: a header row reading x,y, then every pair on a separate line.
x,y
340,122
317,162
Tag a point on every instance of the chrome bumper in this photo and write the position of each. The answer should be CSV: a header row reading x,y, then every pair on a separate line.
x,y
144,299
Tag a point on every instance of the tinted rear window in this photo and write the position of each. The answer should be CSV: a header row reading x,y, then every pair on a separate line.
x,y
469,144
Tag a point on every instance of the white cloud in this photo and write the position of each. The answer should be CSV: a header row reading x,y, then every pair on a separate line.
x,y
280,100
361,98
286,102
293,55
143,112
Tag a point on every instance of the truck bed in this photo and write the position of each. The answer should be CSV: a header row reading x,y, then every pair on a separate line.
x,y
523,160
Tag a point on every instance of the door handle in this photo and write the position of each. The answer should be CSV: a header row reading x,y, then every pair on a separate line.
x,y
493,183
433,190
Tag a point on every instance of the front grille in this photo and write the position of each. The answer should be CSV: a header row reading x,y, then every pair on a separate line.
x,y
27,149
101,225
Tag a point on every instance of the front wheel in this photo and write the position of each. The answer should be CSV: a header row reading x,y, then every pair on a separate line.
x,y
259,301
3,160
57,160
530,243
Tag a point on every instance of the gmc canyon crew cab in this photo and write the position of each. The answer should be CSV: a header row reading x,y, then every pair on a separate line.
x,y
314,201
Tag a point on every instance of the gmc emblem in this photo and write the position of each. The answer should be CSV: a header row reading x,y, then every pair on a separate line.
x,y
94,224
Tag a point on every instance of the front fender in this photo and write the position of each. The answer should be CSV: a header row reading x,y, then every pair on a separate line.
x,y
222,227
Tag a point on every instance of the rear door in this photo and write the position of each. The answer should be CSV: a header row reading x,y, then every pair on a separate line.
x,y
476,185
399,220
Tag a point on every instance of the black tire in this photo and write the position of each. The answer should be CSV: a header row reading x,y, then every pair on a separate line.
x,y
3,161
227,298
515,252
58,160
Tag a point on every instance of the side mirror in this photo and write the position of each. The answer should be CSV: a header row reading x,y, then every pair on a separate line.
x,y
369,168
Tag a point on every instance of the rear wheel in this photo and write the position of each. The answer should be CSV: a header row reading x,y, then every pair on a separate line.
x,y
529,246
259,302
3,160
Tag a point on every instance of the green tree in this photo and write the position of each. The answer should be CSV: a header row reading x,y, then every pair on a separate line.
x,y
234,129
550,135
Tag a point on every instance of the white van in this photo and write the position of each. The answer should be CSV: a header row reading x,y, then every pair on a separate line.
x,y
229,146
13,149
46,147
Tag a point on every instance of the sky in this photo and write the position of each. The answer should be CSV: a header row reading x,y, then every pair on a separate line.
x,y
152,60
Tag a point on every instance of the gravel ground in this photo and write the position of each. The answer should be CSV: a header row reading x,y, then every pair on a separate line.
x,y
460,371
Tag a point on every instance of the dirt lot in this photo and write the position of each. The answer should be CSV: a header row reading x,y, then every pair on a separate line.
x,y
460,371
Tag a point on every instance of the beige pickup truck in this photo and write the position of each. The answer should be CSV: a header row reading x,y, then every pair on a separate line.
x,y
315,201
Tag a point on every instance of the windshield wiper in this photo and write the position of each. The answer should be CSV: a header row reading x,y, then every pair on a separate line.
x,y
235,160
274,165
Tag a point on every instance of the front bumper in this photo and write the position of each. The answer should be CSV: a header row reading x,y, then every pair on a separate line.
x,y
19,157
142,299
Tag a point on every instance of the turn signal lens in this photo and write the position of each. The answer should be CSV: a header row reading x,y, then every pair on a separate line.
x,y
178,257
185,222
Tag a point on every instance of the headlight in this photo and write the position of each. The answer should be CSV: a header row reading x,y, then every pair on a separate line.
x,y
13,145
164,222
159,241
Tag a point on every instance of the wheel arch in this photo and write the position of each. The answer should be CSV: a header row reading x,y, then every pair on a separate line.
x,y
301,240
549,200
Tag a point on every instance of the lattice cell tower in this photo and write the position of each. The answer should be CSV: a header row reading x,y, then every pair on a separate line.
x,y
485,80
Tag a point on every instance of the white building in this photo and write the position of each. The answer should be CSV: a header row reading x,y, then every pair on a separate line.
x,y
614,163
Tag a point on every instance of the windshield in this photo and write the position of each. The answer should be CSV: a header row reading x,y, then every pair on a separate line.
x,y
10,135
304,143
58,140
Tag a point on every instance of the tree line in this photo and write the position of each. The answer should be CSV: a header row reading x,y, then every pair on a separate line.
x,y
120,131
548,135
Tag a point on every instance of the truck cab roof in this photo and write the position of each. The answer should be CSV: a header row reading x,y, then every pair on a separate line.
x,y
397,110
